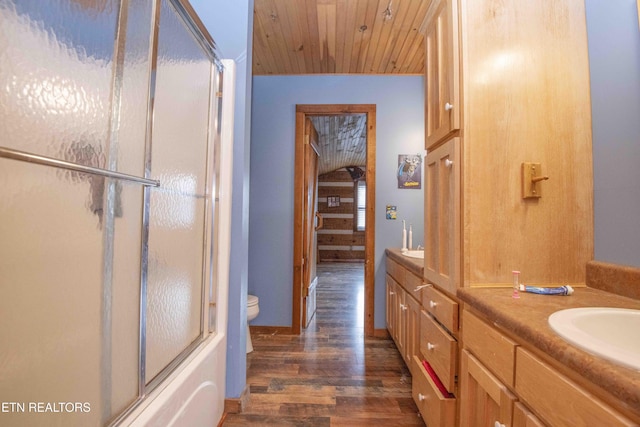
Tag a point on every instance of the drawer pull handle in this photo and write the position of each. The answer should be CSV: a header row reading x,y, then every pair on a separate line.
x,y
499,424
432,304
426,285
421,397
430,346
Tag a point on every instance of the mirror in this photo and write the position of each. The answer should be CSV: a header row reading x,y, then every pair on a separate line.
x,y
614,57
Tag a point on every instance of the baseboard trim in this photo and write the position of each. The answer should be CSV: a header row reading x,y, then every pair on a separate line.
x,y
381,333
271,330
237,405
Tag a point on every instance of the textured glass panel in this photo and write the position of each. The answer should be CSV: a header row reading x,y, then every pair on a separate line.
x,y
56,345
132,96
181,107
70,246
56,76
174,287
51,255
121,350
179,161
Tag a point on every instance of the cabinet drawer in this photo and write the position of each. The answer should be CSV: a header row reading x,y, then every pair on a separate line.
x,y
436,410
441,307
395,270
559,400
439,349
411,283
494,350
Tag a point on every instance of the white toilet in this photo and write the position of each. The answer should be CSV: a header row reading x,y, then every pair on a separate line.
x,y
252,312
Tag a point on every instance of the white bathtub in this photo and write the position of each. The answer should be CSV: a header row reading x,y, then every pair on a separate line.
x,y
193,395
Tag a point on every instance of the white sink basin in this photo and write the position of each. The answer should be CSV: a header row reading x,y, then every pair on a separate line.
x,y
414,254
611,333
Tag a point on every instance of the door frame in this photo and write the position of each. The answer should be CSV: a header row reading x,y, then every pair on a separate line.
x,y
302,111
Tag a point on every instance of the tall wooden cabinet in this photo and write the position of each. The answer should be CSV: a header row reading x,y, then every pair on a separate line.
x,y
514,75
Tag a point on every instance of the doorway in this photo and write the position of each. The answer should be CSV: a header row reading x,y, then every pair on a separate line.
x,y
300,262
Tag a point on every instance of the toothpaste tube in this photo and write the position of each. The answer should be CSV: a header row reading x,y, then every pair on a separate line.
x,y
562,290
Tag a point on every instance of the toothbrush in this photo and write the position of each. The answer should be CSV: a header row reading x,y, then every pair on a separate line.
x,y
410,237
404,236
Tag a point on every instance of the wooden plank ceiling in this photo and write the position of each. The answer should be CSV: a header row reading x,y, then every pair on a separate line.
x,y
338,37
342,141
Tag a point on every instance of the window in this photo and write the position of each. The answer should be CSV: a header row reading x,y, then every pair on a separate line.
x,y
361,204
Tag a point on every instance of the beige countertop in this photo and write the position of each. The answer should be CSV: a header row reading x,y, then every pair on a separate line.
x,y
415,265
527,316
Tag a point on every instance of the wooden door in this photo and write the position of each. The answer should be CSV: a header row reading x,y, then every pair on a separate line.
x,y
310,209
298,289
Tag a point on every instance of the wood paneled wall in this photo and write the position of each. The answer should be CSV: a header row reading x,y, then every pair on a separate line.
x,y
337,240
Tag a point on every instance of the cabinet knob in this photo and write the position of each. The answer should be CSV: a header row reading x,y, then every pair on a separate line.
x,y
448,107
391,293
432,304
430,346
448,163
499,424
403,307
421,397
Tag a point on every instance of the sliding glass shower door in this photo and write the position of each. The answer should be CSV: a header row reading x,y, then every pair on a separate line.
x,y
108,126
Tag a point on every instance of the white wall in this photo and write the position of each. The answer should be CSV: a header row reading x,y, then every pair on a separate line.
x,y
614,56
400,130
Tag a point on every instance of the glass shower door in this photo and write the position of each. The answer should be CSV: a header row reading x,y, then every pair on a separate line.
x,y
70,241
177,220
106,241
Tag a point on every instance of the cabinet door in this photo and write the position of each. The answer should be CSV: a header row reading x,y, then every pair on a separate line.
x,y
484,400
412,343
442,107
442,216
522,417
392,301
401,326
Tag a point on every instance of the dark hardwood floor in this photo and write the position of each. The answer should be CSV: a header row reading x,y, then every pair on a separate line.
x,y
330,375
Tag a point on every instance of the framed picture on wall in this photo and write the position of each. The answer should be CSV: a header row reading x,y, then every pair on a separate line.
x,y
409,171
333,201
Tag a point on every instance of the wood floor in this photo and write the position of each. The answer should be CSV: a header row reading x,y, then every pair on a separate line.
x,y
330,375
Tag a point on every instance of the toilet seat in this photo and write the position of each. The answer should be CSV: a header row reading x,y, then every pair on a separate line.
x,y
252,312
252,300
